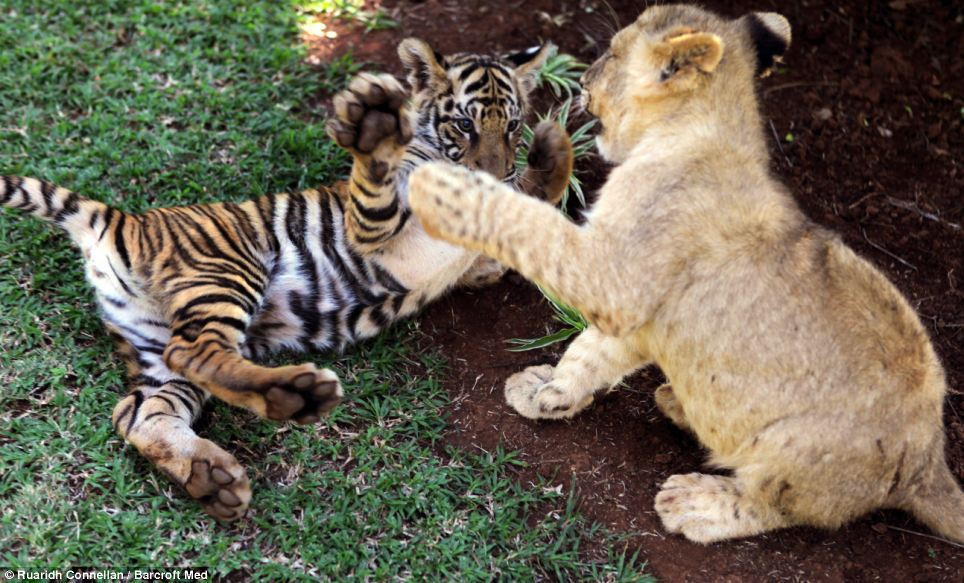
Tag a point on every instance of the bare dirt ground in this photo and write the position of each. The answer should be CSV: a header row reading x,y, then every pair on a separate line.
x,y
866,123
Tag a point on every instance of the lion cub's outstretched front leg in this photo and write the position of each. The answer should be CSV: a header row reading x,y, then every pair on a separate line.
x,y
546,178
593,362
478,212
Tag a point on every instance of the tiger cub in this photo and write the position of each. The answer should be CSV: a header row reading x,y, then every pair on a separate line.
x,y
793,360
194,294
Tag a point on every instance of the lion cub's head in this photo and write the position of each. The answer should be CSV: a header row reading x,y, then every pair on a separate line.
x,y
675,58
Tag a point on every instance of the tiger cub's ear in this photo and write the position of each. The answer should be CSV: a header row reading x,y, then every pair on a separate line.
x,y
527,64
424,65
686,52
770,34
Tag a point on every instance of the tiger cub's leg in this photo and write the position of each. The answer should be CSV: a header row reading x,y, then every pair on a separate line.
x,y
208,327
156,417
550,159
593,362
372,122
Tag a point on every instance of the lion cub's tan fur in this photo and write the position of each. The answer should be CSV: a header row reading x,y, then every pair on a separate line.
x,y
793,360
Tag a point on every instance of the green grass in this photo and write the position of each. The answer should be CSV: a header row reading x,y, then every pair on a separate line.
x,y
139,104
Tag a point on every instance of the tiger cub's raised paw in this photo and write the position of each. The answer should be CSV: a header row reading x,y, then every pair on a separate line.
x,y
302,394
370,113
549,163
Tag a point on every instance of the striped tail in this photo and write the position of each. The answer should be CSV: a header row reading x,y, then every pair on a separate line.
x,y
68,210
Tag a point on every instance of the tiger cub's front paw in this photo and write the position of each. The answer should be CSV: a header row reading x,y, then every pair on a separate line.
x,y
534,394
550,163
370,113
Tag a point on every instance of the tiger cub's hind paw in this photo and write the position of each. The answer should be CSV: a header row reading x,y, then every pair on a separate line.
x,y
370,112
302,394
216,480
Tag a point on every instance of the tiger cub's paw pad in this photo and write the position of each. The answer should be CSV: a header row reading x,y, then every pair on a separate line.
x,y
369,112
550,161
304,396
218,482
533,394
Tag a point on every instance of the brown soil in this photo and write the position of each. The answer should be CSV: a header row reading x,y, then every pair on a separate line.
x,y
867,128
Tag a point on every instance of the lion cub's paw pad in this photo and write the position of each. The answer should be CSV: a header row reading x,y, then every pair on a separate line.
x,y
218,482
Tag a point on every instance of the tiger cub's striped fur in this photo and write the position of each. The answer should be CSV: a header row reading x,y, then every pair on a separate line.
x,y
192,294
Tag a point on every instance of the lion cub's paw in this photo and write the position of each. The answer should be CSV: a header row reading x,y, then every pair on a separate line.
x,y
534,394
550,162
484,271
369,112
705,508
437,193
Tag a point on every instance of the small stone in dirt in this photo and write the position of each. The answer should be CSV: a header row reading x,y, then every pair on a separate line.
x,y
823,114
879,528
884,132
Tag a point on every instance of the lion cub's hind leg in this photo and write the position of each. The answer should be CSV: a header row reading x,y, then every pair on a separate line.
x,y
593,362
670,406
707,508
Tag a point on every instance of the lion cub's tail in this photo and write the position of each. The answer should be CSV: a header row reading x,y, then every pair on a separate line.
x,y
940,504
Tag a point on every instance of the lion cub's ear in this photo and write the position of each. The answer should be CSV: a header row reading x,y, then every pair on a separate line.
x,y
424,65
686,52
770,34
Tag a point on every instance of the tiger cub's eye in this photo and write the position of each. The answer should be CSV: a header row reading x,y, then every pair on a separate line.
x,y
512,126
465,125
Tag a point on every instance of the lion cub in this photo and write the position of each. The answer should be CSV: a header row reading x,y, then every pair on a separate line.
x,y
792,359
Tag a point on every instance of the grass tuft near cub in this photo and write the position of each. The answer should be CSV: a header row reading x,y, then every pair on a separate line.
x,y
794,361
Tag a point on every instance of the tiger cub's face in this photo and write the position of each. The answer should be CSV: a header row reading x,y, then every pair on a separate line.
x,y
671,56
471,107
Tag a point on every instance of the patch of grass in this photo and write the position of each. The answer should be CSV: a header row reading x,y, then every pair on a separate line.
x,y
561,73
352,11
141,103
573,323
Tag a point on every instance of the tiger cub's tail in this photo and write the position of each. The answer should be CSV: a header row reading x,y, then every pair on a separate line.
x,y
68,210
